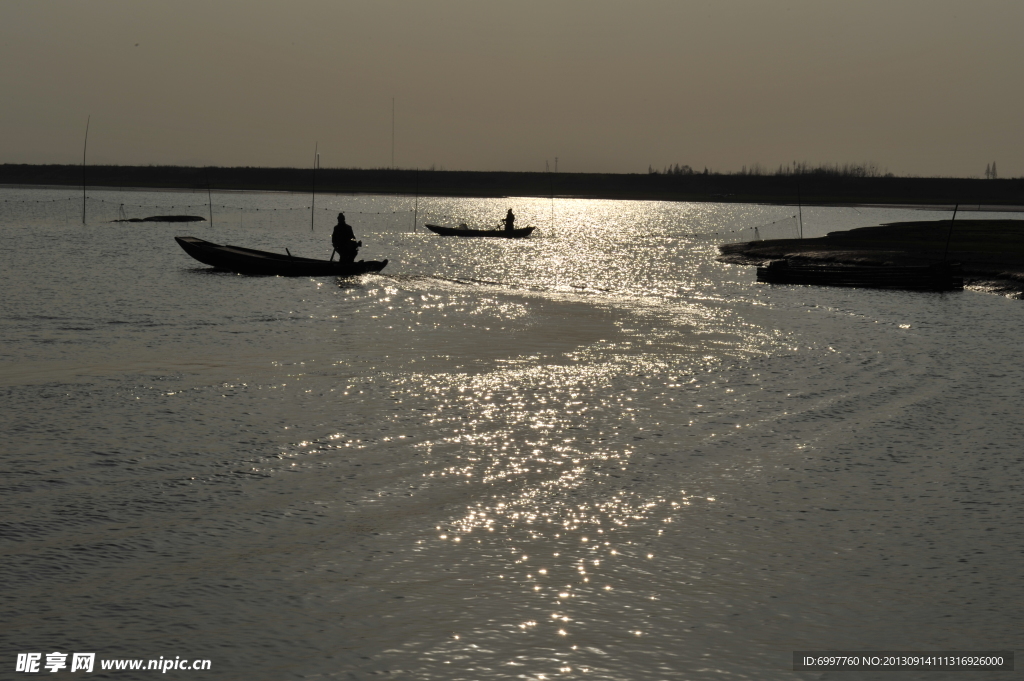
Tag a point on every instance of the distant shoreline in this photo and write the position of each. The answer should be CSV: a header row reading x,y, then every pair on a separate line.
x,y
810,189
990,251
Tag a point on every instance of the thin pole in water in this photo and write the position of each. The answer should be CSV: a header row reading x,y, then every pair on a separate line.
x,y
416,208
209,195
392,133
84,147
800,209
950,234
553,195
316,162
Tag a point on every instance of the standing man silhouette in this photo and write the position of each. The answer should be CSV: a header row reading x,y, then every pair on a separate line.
x,y
344,241
510,221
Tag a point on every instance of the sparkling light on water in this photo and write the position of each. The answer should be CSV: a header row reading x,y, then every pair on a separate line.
x,y
596,453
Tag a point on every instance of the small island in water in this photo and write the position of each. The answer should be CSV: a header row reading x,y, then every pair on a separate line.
x,y
991,252
164,218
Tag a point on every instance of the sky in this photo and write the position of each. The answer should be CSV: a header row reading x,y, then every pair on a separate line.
x,y
915,87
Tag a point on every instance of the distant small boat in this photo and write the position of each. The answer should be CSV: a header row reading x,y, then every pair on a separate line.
x,y
501,233
939,277
250,261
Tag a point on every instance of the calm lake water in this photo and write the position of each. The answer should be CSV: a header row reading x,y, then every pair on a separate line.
x,y
594,454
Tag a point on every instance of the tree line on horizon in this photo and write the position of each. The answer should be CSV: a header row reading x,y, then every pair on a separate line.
x,y
784,169
795,168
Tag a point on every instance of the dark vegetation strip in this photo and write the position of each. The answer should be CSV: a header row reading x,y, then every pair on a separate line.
x,y
821,188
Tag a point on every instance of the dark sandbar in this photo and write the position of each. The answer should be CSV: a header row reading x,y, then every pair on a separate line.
x,y
990,251
165,218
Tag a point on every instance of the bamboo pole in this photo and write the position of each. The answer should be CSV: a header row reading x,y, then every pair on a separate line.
x,y
209,195
800,209
312,207
949,236
416,207
84,147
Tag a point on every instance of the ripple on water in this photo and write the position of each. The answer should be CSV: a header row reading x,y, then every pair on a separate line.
x,y
594,454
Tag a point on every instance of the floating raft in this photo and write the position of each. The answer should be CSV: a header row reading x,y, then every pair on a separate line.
x,y
938,277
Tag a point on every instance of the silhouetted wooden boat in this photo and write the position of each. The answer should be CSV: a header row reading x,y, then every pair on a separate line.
x,y
250,261
518,233
939,277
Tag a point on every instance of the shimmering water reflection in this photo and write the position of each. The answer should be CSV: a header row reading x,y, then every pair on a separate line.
x,y
595,454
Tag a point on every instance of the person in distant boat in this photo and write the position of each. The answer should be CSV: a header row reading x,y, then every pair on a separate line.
x,y
510,221
344,241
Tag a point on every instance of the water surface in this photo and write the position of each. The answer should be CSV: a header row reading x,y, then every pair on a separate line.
x,y
595,454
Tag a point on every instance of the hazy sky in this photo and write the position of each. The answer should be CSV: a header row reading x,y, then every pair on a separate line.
x,y
923,87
